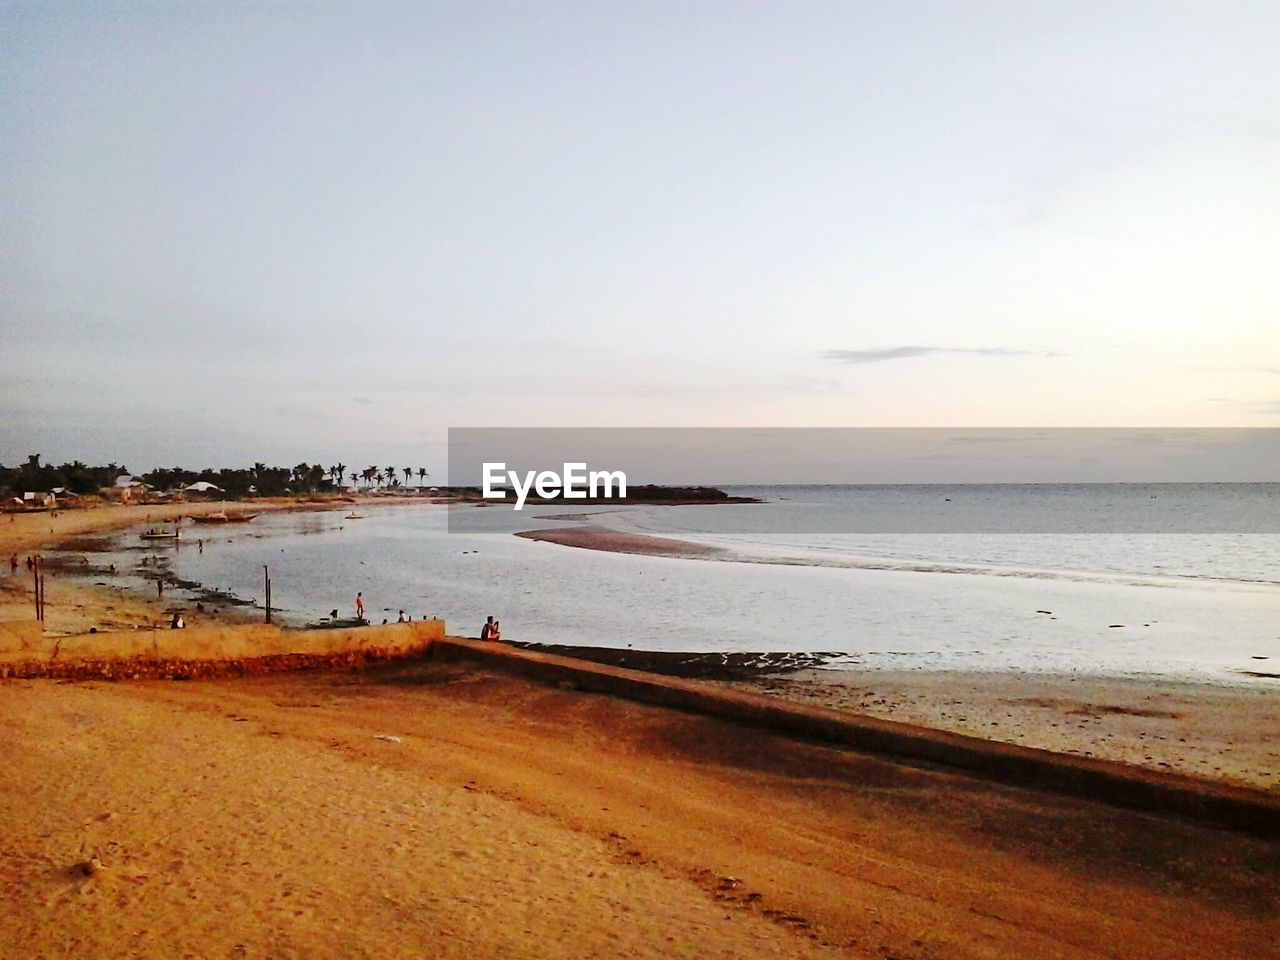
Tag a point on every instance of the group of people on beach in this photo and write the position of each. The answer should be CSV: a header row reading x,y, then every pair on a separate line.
x,y
491,631
402,618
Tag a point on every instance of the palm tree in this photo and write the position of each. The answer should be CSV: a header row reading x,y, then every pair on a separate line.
x,y
369,473
355,478
422,475
339,470
408,472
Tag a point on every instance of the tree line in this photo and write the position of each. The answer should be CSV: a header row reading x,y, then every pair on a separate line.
x,y
259,480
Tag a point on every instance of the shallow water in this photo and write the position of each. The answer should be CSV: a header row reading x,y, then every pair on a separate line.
x,y
971,602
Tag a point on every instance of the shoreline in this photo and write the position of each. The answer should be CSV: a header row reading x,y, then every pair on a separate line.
x,y
1218,733
1222,734
74,607
1207,730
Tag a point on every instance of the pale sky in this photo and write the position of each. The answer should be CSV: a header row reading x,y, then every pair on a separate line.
x,y
330,232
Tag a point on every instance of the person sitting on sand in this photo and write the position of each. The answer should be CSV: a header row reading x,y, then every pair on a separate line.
x,y
496,633
400,619
486,632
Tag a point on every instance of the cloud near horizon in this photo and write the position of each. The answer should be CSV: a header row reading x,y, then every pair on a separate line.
x,y
907,352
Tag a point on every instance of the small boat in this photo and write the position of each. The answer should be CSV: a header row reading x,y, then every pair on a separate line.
x,y
225,518
161,533
325,623
354,516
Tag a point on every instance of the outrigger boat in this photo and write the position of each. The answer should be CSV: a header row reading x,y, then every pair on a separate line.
x,y
354,516
324,623
161,533
225,518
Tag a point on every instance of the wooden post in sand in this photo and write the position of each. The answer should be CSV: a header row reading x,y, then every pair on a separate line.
x,y
266,577
38,574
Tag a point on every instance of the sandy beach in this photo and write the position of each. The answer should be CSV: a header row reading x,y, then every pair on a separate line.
x,y
1214,732
435,809
439,809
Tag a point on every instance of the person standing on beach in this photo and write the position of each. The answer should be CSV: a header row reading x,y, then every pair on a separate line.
x,y
360,606
486,632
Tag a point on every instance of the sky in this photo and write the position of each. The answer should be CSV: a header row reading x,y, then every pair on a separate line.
x,y
283,232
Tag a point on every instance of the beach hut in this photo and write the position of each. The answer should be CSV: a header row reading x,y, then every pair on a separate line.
x,y
65,498
201,488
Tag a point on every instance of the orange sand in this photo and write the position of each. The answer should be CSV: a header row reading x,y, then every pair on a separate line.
x,y
435,810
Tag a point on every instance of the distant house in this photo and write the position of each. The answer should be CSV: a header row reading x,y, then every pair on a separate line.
x,y
126,489
36,500
202,486
65,497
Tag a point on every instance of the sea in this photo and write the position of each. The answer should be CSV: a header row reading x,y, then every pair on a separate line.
x,y
1198,606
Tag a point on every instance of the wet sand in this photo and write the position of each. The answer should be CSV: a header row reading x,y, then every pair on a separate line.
x,y
1214,732
614,541
433,809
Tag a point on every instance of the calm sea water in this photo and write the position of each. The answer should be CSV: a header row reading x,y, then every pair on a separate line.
x,y
1202,606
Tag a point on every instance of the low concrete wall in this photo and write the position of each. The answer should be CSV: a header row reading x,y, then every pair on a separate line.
x,y
210,651
1235,808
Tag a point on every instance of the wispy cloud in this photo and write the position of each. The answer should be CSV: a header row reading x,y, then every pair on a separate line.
x,y
908,352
